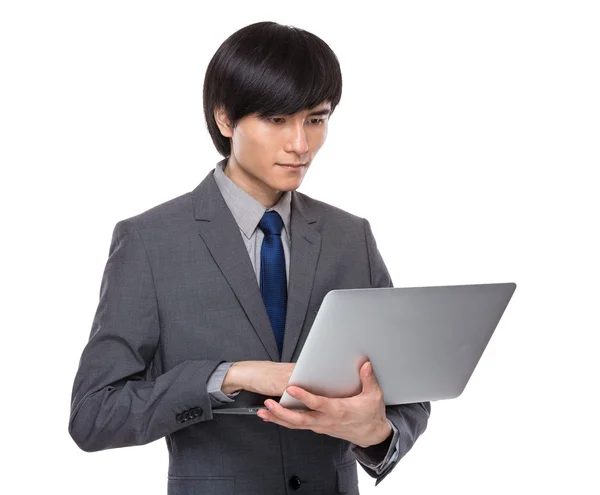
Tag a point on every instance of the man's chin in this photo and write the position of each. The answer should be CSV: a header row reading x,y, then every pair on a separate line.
x,y
289,187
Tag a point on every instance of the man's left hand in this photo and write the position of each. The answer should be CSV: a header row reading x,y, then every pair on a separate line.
x,y
359,419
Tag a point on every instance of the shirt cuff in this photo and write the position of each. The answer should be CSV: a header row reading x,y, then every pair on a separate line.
x,y
214,384
375,457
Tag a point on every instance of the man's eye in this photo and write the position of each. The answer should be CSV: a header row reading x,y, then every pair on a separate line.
x,y
279,120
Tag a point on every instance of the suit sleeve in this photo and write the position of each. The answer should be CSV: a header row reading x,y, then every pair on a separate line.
x,y
379,457
410,419
118,399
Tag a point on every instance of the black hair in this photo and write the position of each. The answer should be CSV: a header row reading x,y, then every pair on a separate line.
x,y
268,69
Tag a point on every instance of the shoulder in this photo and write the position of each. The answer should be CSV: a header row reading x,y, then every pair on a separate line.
x,y
169,216
335,222
327,214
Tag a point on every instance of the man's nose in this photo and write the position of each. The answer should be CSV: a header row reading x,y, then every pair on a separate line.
x,y
296,140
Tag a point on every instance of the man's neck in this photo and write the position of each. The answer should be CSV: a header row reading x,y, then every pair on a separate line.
x,y
267,198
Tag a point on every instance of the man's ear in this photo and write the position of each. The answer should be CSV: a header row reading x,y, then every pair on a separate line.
x,y
223,122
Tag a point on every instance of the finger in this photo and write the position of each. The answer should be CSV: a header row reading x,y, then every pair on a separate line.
x,y
300,419
317,429
315,426
312,401
271,418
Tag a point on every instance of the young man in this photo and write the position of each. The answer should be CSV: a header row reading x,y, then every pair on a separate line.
x,y
207,299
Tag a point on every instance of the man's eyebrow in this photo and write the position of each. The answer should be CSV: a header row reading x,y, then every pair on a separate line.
x,y
322,112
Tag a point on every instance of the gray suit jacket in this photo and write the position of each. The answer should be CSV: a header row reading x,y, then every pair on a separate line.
x,y
178,297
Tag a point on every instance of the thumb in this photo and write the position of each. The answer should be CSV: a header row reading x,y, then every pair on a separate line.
x,y
367,377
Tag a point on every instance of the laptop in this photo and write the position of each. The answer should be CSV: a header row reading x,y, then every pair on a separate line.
x,y
423,342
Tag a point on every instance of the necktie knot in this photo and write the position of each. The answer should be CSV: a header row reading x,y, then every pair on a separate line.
x,y
271,223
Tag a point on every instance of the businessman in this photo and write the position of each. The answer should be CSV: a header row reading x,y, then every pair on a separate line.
x,y
207,299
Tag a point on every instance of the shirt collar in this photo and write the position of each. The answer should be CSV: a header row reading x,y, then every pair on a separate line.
x,y
246,210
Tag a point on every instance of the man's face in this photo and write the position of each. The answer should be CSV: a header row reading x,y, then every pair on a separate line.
x,y
261,148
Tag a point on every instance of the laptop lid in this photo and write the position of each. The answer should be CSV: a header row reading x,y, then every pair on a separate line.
x,y
423,342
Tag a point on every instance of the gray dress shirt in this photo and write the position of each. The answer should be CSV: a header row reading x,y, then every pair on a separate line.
x,y
247,213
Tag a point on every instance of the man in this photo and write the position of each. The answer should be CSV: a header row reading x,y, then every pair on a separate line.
x,y
206,300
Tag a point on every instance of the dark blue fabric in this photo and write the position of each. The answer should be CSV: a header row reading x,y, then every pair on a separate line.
x,y
273,284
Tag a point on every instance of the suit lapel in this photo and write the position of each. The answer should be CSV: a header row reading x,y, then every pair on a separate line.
x,y
221,234
304,254
222,237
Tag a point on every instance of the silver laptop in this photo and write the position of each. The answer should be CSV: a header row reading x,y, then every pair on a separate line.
x,y
423,342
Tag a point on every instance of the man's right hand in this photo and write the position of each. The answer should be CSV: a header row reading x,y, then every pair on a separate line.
x,y
261,377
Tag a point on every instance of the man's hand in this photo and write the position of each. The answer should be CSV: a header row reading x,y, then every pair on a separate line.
x,y
261,377
360,419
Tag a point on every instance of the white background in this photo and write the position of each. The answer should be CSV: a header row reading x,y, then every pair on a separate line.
x,y
468,134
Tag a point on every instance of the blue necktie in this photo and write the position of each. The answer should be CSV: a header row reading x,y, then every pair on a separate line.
x,y
273,285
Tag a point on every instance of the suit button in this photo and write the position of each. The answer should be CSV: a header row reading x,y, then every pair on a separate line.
x,y
186,415
178,417
295,482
